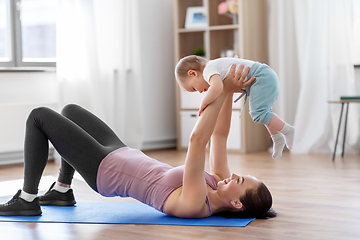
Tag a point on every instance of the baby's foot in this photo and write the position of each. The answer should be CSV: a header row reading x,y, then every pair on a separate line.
x,y
289,134
278,145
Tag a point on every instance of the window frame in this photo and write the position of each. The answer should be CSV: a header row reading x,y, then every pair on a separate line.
x,y
16,61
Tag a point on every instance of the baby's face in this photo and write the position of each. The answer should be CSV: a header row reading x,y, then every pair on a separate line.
x,y
195,84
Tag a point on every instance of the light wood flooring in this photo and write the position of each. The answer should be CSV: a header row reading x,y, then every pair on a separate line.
x,y
314,197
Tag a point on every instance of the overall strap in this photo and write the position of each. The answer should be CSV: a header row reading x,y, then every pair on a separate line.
x,y
246,96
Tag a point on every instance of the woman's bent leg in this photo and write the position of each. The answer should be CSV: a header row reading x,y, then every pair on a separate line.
x,y
74,144
93,126
66,172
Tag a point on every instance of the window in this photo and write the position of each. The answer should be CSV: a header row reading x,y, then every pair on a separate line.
x,y
28,33
4,32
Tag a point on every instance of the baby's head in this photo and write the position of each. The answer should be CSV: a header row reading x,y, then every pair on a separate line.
x,y
188,73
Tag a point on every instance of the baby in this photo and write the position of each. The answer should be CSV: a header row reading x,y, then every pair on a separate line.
x,y
196,74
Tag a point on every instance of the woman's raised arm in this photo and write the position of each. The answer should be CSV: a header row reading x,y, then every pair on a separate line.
x,y
192,197
218,155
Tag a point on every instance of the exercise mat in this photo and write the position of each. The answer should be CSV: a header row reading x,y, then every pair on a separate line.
x,y
119,213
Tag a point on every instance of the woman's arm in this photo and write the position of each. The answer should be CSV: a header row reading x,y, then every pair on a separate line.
x,y
192,197
218,156
218,152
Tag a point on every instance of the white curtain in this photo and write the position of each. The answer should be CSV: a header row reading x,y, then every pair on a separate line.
x,y
98,63
311,48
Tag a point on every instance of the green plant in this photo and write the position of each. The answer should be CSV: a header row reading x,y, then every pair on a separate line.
x,y
199,51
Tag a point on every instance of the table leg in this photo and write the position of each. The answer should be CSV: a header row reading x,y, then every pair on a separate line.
x,y
346,116
337,136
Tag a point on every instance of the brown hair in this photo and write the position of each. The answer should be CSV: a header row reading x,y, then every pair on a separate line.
x,y
256,204
185,64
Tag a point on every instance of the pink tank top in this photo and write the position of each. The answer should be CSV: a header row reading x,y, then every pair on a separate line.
x,y
128,172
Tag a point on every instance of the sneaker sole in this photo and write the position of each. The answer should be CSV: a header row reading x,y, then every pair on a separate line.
x,y
58,203
22,213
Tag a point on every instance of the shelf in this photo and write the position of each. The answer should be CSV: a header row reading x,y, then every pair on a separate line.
x,y
182,7
211,28
190,30
215,19
190,41
224,27
222,40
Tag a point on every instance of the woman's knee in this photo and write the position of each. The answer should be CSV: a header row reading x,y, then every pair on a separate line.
x,y
69,109
37,113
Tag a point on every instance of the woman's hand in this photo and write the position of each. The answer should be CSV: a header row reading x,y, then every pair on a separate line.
x,y
235,82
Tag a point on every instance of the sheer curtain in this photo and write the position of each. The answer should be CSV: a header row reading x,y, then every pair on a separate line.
x,y
98,63
311,46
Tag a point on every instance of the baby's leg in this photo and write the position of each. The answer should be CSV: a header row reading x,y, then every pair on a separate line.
x,y
278,126
263,94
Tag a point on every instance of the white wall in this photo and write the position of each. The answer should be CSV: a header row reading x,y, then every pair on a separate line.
x,y
21,91
157,46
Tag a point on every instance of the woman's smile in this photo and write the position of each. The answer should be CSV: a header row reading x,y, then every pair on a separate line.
x,y
227,180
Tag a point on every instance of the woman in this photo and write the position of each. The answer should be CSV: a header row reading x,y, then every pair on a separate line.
x,y
89,146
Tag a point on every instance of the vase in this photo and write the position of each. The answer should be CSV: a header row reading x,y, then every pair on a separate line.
x,y
234,18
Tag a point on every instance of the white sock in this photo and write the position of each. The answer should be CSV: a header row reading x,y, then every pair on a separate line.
x,y
61,189
289,134
278,145
27,196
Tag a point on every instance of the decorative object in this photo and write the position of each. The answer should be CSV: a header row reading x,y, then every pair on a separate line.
x,y
229,8
227,53
195,17
199,51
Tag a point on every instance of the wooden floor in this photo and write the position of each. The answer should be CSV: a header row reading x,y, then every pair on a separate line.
x,y
314,197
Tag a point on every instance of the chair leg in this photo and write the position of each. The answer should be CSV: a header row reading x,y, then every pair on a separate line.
x,y
346,117
337,136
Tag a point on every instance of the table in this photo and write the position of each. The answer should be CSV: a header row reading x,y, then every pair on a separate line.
x,y
347,101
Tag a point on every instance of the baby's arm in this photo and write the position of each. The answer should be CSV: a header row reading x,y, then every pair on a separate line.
x,y
216,87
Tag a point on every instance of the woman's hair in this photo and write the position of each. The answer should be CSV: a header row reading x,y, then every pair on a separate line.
x,y
256,204
191,62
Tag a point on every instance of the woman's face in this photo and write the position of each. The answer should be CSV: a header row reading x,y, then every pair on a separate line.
x,y
235,186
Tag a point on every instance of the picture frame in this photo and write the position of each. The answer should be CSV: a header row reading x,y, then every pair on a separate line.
x,y
196,17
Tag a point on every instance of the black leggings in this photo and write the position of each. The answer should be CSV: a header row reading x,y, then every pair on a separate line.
x,y
81,139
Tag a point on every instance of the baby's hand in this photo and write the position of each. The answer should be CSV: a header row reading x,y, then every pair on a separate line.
x,y
202,108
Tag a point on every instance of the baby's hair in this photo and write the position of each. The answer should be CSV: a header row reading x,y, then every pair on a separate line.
x,y
187,63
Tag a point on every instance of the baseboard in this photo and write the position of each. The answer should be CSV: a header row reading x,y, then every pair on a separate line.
x,y
11,157
7,158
